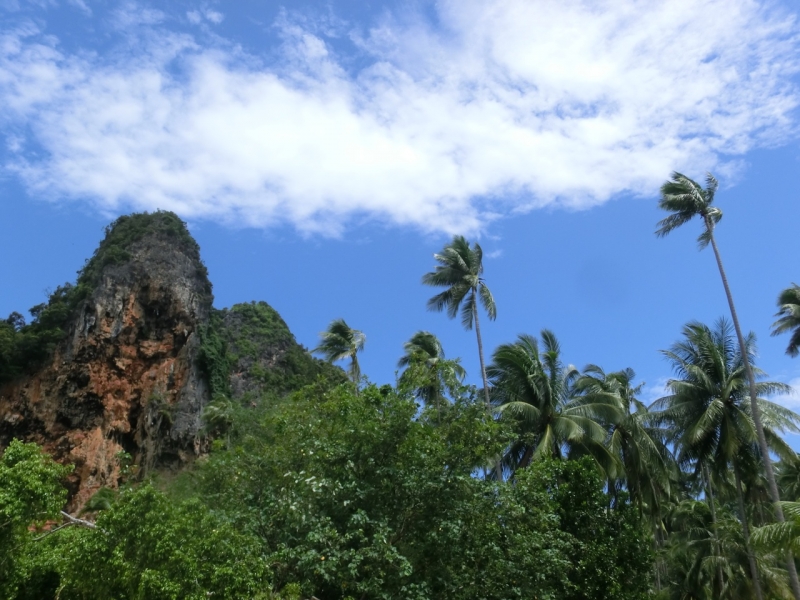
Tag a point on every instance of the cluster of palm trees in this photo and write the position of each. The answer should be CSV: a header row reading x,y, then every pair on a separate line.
x,y
696,463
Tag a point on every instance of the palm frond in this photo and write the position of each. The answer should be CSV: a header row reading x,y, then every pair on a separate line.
x,y
789,313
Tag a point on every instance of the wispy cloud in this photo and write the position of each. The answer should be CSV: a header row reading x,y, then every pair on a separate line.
x,y
792,399
505,106
653,392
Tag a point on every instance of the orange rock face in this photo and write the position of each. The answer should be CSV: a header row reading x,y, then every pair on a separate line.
x,y
126,378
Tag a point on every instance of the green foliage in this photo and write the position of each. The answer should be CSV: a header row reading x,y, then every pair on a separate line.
x,y
25,346
609,553
145,546
789,321
129,229
213,356
254,341
30,494
351,495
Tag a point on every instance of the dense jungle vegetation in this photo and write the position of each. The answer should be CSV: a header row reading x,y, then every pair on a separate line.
x,y
547,482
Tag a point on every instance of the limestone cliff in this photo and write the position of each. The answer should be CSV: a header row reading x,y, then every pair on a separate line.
x,y
123,362
125,377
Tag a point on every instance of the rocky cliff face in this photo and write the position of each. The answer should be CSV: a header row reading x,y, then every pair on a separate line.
x,y
126,377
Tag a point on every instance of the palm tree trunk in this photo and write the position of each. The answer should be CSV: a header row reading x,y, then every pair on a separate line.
x,y
756,413
746,531
717,545
355,371
480,355
657,562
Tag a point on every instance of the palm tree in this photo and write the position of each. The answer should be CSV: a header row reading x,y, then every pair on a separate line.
x,y
632,439
427,370
687,199
789,313
637,445
709,415
338,342
218,417
537,389
459,270
789,478
781,536
694,560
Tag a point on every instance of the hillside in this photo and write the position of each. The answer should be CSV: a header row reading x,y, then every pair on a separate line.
x,y
123,361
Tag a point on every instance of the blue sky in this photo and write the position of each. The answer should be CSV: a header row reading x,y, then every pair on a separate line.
x,y
322,152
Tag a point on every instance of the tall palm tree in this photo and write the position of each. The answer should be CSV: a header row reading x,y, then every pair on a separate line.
x,y
709,413
428,371
459,270
537,389
687,199
338,342
789,313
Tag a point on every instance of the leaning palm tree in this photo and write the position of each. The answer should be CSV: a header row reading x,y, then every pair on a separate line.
x,y
709,415
687,199
427,371
789,313
536,389
339,342
459,270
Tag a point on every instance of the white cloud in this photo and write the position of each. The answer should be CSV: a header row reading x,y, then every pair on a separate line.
x,y
792,399
658,390
509,106
196,16
214,16
129,14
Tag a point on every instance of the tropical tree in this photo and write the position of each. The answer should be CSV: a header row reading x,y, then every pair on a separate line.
x,y
693,559
686,199
459,270
709,415
789,478
538,390
789,313
781,536
427,371
632,438
339,342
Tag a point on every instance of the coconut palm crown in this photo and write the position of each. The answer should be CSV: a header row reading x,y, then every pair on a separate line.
x,y
534,387
428,371
338,342
687,199
789,313
632,438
